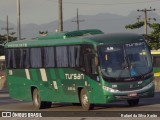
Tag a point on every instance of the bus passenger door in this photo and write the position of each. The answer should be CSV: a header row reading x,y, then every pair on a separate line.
x,y
63,84
91,63
54,84
93,85
69,84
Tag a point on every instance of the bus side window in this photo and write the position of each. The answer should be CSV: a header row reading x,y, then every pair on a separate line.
x,y
61,56
49,57
90,63
88,59
74,56
10,58
35,57
17,57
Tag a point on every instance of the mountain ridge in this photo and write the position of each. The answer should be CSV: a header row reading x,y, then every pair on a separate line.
x,y
107,22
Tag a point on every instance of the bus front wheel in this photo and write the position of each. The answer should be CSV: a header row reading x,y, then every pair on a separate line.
x,y
85,101
133,102
38,104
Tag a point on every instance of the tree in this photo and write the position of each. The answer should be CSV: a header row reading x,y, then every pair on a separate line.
x,y
3,41
43,33
135,25
156,31
155,36
153,39
3,38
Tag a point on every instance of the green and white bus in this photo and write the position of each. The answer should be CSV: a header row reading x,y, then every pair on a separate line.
x,y
87,67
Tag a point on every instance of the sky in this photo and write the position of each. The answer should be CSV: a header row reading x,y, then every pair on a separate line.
x,y
44,11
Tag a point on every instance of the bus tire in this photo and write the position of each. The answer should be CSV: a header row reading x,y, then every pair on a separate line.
x,y
38,104
85,101
133,102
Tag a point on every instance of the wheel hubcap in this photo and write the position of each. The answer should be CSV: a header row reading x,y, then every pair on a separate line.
x,y
37,99
85,100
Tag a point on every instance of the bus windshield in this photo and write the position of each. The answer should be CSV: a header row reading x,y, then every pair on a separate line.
x,y
125,60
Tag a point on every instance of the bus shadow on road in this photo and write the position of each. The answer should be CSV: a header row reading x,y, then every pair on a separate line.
x,y
123,104
115,106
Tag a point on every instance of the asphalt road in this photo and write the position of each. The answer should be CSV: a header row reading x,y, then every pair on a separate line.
x,y
63,110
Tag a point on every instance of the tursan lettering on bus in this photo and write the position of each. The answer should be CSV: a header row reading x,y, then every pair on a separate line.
x,y
74,76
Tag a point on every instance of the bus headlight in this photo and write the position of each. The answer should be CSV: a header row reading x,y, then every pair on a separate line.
x,y
110,89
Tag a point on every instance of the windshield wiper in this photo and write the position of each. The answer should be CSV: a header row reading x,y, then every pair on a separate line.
x,y
140,75
130,67
124,66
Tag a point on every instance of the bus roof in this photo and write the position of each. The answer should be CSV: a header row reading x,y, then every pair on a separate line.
x,y
115,38
63,35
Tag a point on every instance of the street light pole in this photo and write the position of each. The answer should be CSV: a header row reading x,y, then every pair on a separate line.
x,y
78,21
7,29
60,20
18,21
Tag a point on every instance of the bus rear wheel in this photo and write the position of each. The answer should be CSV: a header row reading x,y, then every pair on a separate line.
x,y
38,104
85,101
133,102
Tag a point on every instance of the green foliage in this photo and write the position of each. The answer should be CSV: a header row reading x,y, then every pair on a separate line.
x,y
3,41
155,34
153,39
156,31
154,46
135,25
155,26
43,32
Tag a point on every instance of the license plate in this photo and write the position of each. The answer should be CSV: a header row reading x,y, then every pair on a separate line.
x,y
132,94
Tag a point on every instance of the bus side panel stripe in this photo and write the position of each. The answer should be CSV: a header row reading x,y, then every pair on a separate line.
x,y
27,74
43,74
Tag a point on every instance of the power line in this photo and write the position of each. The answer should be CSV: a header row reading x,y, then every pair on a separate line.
x,y
109,4
7,28
145,19
18,21
78,20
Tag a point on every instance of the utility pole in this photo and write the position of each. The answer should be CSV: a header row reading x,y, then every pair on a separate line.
x,y
145,19
78,21
60,20
18,21
7,28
